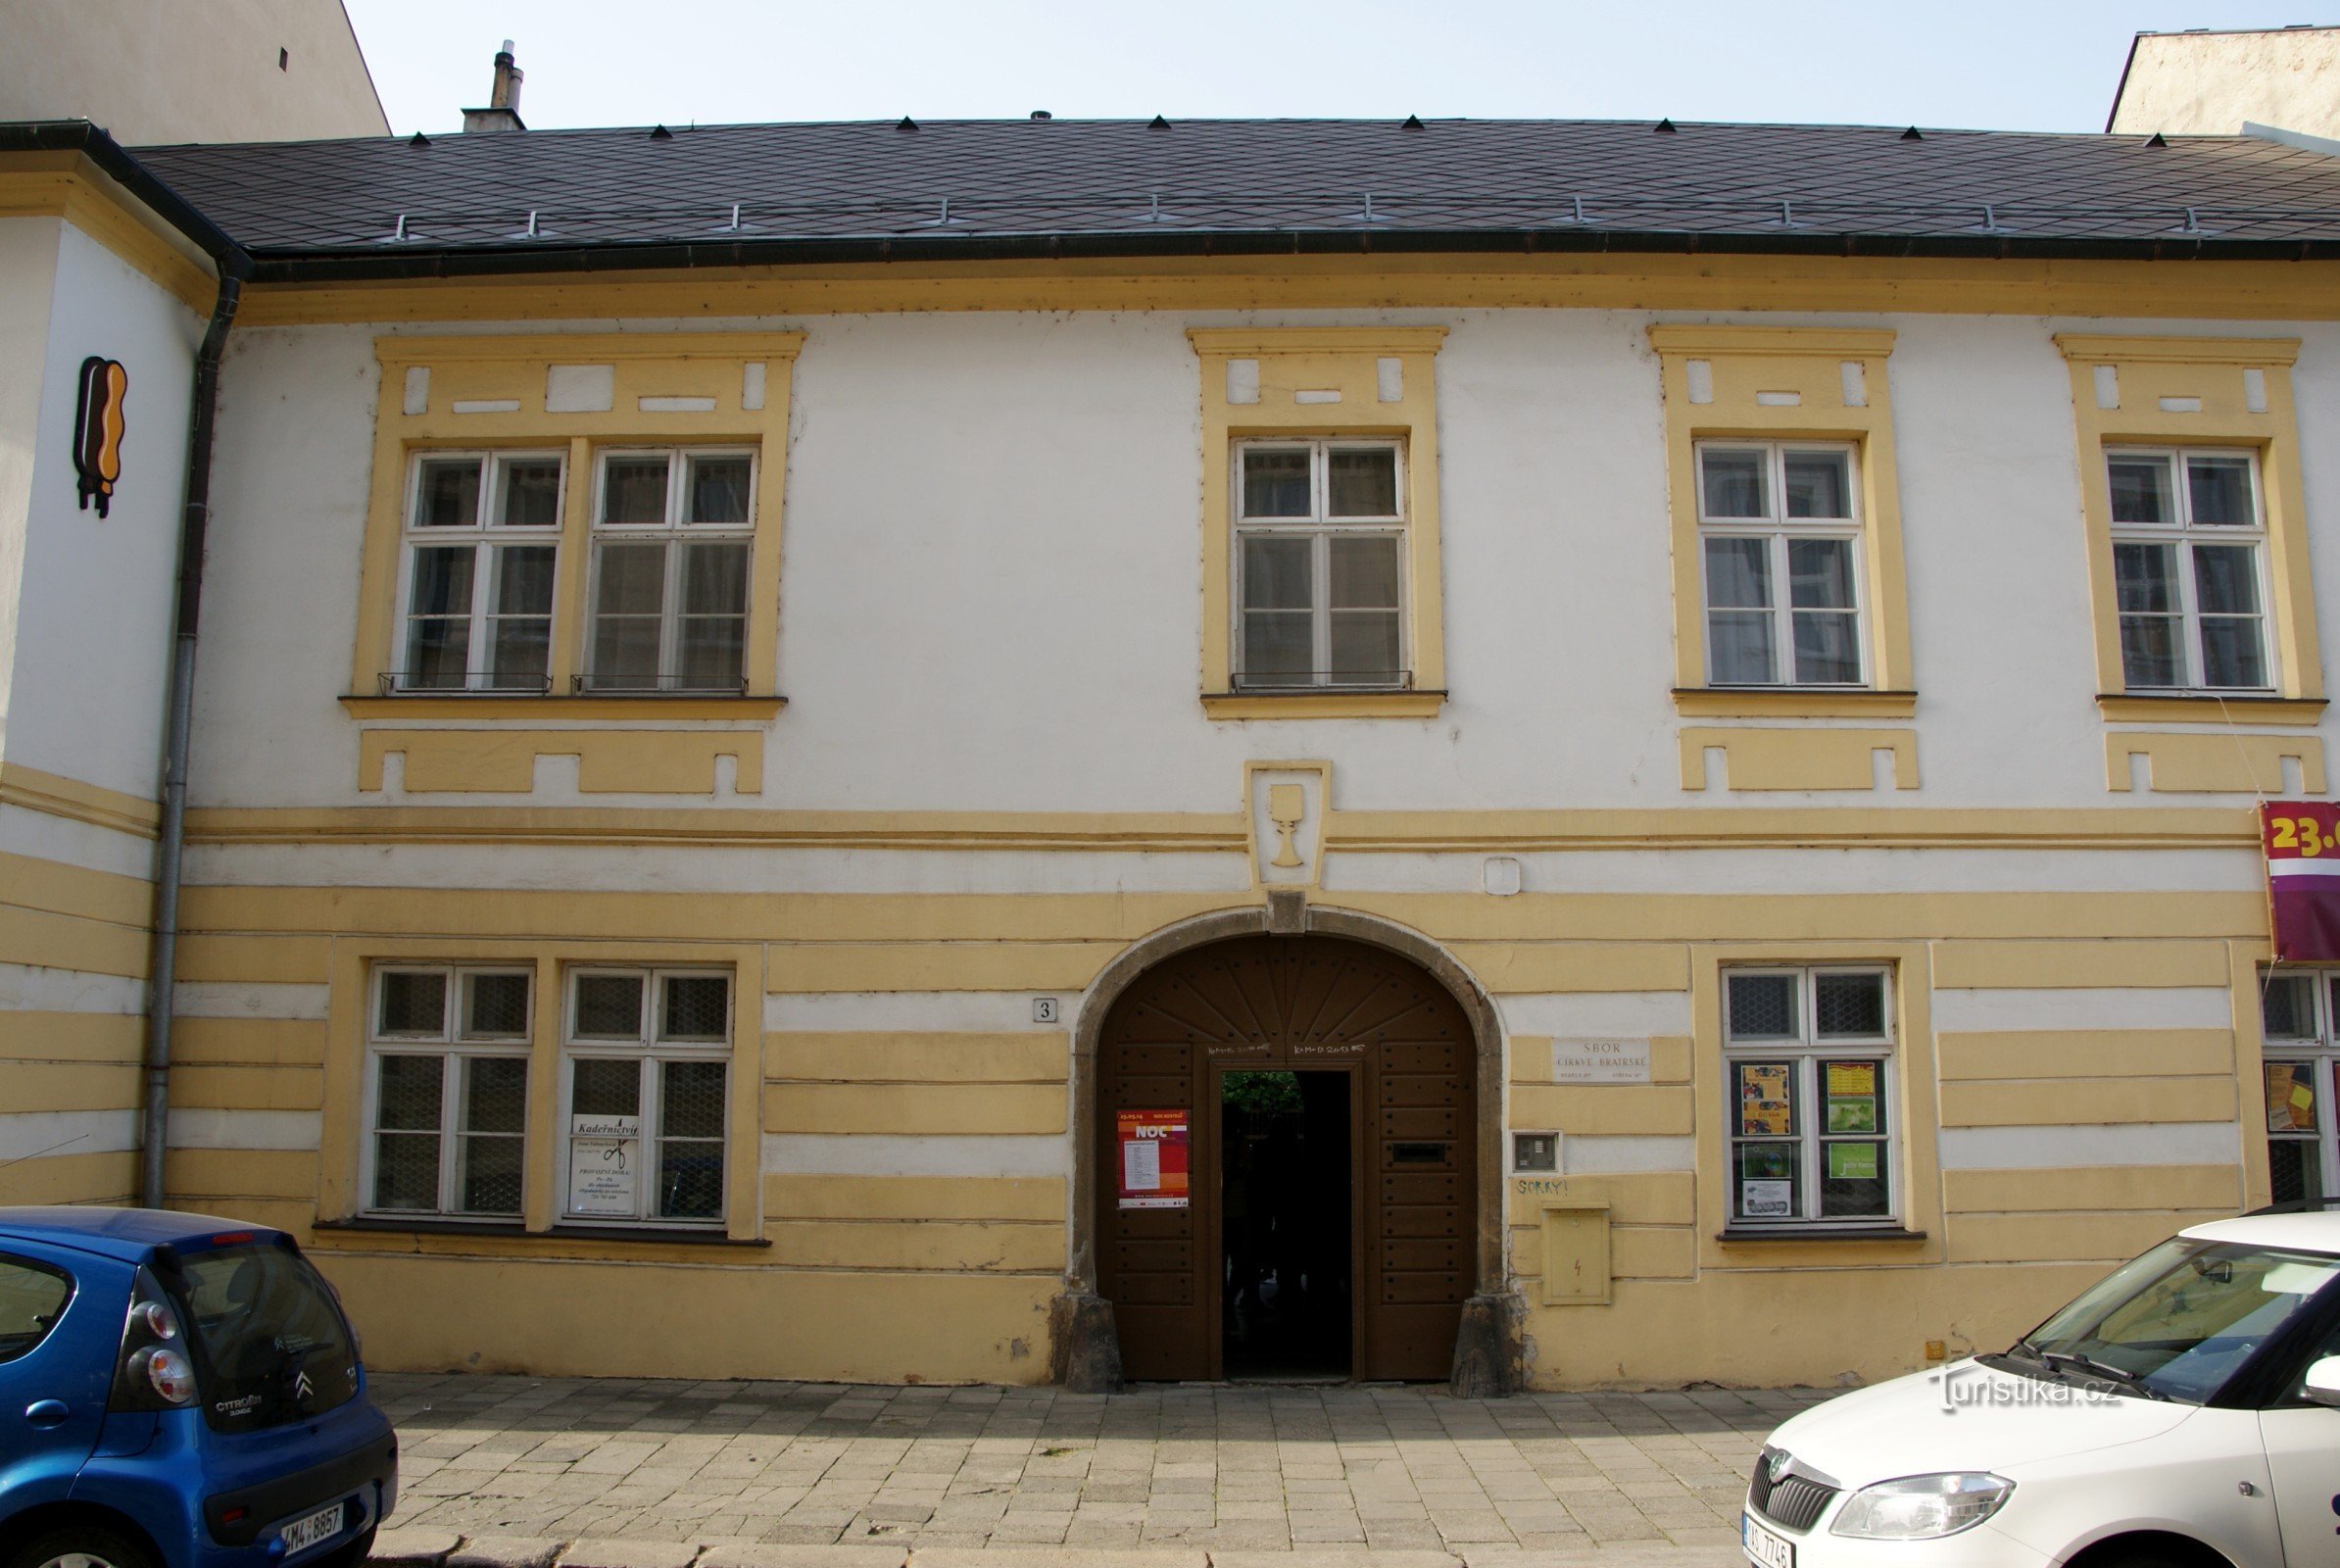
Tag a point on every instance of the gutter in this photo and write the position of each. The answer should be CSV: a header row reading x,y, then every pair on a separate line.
x,y
235,265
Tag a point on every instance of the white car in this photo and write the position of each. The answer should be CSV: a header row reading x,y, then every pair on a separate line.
x,y
2182,1413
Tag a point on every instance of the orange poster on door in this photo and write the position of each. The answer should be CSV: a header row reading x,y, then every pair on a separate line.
x,y
1153,1144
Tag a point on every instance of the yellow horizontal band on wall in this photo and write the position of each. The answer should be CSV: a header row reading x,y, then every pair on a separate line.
x,y
242,1174
264,1042
1605,1109
54,795
89,1037
1027,1058
2086,1053
1031,1199
26,1086
2213,764
939,1246
1798,758
72,187
58,888
912,1108
1665,1198
2077,965
2268,290
195,1088
69,1178
2097,1188
1476,926
940,967
609,762
2101,1238
1509,968
1696,826
281,958
47,940
2087,1101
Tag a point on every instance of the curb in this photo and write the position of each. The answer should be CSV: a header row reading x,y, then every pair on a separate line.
x,y
445,1549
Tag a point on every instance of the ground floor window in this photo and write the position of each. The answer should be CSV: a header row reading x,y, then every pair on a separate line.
x,y
1808,1058
2301,1060
447,1088
646,1060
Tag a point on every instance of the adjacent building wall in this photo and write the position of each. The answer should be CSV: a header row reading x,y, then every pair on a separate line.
x,y
2212,83
175,73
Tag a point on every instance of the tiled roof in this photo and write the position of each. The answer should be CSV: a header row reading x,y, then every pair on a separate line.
x,y
1126,185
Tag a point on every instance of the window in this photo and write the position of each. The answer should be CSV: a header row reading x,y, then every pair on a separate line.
x,y
1780,533
1810,1057
2301,1056
448,1078
646,1062
481,533
673,534
1320,536
2188,569
32,1297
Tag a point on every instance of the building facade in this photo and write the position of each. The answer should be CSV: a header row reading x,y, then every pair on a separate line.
x,y
1578,814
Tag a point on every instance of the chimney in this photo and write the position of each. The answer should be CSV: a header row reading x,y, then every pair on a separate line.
x,y
503,112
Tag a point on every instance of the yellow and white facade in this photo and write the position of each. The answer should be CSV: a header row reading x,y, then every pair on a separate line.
x,y
987,739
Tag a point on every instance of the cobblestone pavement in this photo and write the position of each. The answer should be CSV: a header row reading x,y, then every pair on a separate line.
x,y
1220,1468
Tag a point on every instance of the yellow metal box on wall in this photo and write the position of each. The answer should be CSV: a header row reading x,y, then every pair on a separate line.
x,y
1575,1255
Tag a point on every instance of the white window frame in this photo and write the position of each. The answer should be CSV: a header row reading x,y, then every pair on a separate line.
x,y
650,1052
2319,1051
2183,533
485,534
1321,528
673,532
453,1046
1776,530
1804,1053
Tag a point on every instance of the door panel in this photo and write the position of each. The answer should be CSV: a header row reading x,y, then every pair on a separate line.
x,y
1263,1003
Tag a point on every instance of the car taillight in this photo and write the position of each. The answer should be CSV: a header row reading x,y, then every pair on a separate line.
x,y
164,1371
156,1319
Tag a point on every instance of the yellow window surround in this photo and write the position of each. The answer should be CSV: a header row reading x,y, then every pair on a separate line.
x,y
1376,381
579,394
1787,383
2194,392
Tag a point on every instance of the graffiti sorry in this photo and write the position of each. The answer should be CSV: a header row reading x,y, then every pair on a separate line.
x,y
97,429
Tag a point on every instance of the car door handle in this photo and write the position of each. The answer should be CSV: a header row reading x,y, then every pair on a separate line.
x,y
46,1413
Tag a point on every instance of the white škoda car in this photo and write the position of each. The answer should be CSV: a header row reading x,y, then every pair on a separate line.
x,y
2184,1413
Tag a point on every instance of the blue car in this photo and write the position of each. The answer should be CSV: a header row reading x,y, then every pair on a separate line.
x,y
179,1391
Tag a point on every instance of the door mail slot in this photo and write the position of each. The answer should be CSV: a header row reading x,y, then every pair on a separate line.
x,y
1419,1153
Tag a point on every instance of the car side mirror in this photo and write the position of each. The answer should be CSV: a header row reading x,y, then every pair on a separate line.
x,y
2323,1381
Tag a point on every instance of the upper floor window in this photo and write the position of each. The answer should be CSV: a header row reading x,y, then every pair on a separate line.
x,y
447,1082
482,530
2301,1056
673,534
1779,535
1320,543
2189,551
1810,1059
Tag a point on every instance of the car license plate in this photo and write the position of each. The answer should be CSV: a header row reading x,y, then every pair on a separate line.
x,y
1773,1551
323,1525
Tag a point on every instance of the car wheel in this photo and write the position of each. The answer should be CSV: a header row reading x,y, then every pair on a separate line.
x,y
83,1546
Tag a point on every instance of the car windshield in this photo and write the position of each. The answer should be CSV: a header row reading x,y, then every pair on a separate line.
x,y
270,1342
2180,1320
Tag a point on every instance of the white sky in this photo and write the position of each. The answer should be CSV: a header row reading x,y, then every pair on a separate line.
x,y
2015,64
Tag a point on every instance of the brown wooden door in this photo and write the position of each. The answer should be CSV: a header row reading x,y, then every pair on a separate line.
x,y
1257,1002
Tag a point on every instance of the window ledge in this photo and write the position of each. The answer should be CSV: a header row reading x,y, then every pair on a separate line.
x,y
2201,707
506,1231
1792,702
1821,1233
1323,705
489,704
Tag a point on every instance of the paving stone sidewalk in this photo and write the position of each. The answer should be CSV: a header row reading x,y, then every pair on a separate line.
x,y
621,1473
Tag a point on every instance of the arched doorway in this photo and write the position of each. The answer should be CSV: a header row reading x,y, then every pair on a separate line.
x,y
1325,1093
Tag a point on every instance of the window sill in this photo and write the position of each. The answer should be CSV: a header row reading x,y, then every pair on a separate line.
x,y
1819,1233
2200,707
1792,702
491,705
503,1230
1323,705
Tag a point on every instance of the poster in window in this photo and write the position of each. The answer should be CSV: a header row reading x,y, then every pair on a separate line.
x,y
1767,1181
1767,1200
605,1166
1764,1110
1152,1149
1852,1103
1852,1162
2290,1097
